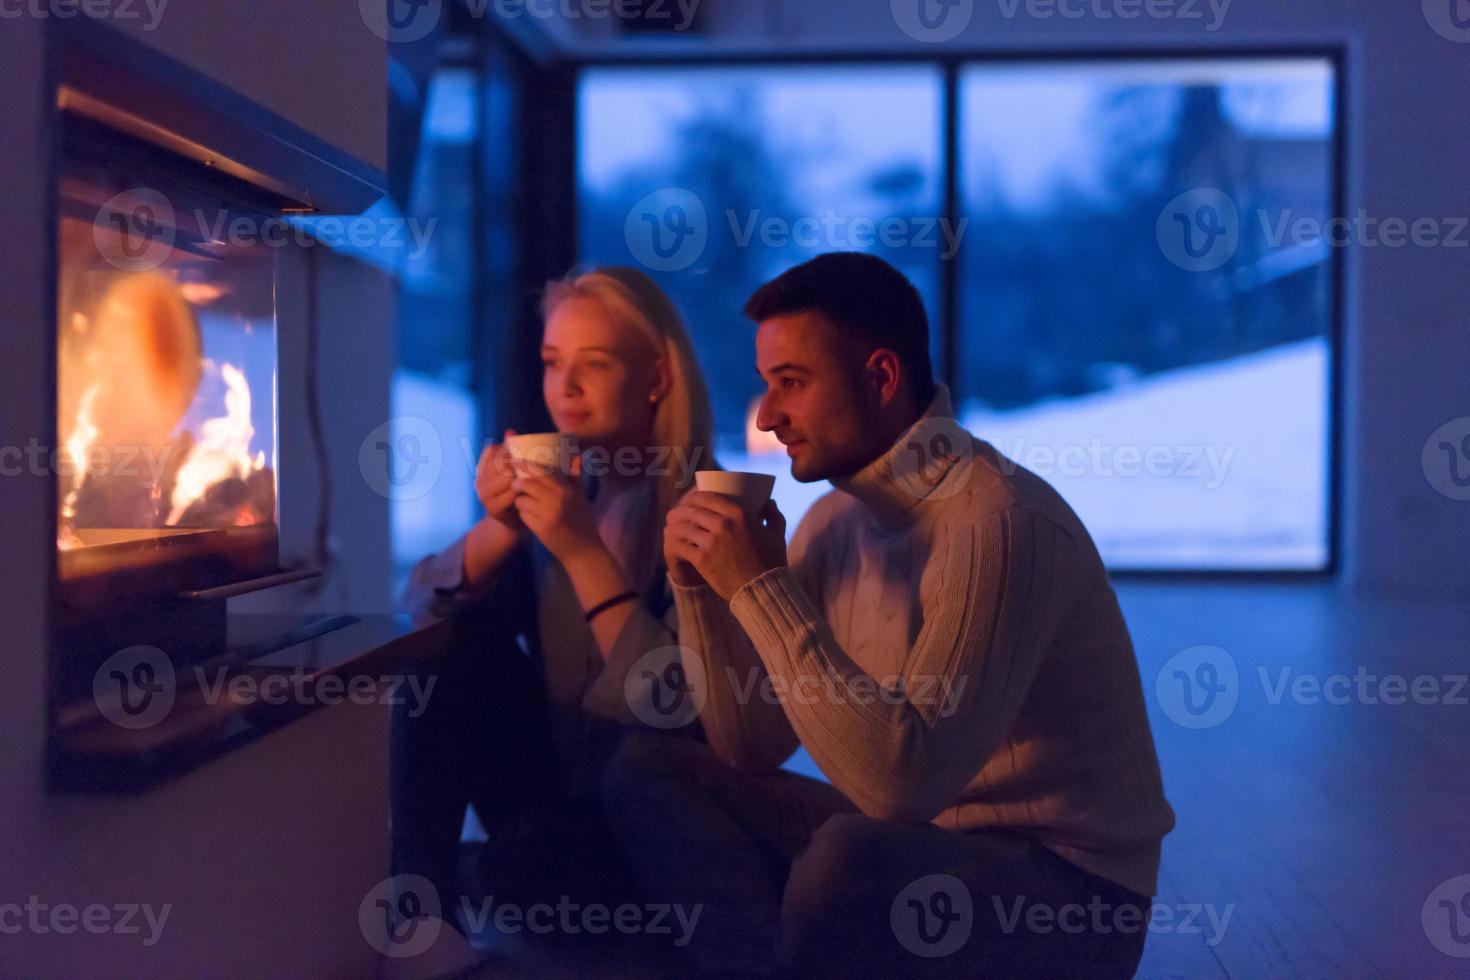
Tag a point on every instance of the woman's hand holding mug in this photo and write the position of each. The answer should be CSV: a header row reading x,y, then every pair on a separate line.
x,y
494,475
553,506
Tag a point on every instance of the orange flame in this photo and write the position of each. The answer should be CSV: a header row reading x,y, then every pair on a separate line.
x,y
223,450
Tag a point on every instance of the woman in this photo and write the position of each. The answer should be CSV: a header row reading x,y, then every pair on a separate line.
x,y
555,594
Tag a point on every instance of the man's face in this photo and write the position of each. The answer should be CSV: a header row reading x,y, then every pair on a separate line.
x,y
816,401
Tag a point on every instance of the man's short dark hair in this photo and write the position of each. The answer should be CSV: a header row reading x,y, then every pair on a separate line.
x,y
866,299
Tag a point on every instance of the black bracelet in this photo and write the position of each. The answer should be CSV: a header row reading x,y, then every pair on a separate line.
x,y
607,604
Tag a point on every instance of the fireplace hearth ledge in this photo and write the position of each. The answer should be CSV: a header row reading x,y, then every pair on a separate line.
x,y
284,669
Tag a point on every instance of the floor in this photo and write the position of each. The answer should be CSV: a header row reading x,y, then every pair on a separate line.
x,y
1326,826
1314,839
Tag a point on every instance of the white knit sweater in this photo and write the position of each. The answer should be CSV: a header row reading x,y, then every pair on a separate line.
x,y
946,645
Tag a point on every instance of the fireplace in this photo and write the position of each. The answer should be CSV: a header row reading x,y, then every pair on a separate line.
x,y
166,387
171,195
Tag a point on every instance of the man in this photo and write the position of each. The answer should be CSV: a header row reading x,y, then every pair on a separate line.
x,y
943,640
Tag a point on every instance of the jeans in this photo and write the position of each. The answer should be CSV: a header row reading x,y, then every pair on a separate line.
x,y
792,878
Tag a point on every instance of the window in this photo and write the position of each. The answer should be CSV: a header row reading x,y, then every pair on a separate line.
x,y
1140,322
1139,316
434,380
714,180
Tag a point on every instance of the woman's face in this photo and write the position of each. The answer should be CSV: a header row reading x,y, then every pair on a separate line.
x,y
598,377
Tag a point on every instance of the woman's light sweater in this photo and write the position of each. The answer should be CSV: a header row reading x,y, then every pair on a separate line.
x,y
946,645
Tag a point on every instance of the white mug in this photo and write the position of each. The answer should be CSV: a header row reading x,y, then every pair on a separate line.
x,y
751,489
546,452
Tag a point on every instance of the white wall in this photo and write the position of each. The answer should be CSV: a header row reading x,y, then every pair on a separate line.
x,y
316,63
264,854
1405,330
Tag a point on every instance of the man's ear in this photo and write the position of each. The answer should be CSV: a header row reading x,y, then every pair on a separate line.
x,y
884,373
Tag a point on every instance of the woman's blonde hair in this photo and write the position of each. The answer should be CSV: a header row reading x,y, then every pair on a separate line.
x,y
683,422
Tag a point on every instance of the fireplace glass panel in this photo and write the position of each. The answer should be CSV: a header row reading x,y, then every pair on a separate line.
x,y
166,387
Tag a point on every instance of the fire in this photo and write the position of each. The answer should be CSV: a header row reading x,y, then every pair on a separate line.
x,y
223,449
83,434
